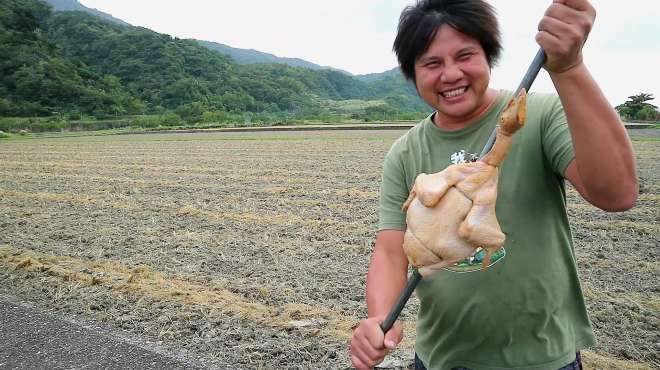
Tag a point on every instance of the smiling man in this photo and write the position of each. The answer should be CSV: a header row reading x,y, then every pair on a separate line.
x,y
526,311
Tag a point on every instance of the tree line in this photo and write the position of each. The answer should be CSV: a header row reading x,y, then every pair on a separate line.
x,y
73,66
72,70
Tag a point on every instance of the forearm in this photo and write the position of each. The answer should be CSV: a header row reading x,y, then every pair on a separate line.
x,y
603,153
387,273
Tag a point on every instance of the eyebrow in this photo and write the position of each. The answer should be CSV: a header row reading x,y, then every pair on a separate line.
x,y
468,49
424,59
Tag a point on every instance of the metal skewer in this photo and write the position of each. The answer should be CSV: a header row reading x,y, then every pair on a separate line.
x,y
526,83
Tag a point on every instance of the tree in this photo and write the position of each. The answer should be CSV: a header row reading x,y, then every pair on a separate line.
x,y
191,112
637,108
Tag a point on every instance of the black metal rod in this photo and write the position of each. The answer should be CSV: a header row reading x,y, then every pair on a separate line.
x,y
532,71
526,83
403,299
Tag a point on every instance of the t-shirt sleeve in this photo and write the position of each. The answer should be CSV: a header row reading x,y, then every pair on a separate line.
x,y
557,142
393,192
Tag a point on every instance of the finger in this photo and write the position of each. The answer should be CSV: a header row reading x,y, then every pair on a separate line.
x,y
369,354
365,360
580,19
564,14
576,4
358,363
361,360
549,42
560,31
390,342
394,336
374,333
361,345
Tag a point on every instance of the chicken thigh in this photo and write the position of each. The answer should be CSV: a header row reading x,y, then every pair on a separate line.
x,y
450,214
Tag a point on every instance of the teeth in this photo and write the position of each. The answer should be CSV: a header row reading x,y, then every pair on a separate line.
x,y
452,93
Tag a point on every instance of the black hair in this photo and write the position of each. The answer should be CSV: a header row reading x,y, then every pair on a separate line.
x,y
419,23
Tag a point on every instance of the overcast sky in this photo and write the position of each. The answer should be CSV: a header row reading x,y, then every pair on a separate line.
x,y
623,51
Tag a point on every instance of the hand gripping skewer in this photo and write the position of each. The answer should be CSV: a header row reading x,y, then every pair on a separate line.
x,y
526,83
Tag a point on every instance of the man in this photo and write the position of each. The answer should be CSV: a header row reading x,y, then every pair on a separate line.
x,y
526,311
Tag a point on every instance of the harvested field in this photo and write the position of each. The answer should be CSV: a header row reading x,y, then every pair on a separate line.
x,y
250,249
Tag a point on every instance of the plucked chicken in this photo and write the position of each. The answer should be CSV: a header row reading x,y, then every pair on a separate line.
x,y
450,214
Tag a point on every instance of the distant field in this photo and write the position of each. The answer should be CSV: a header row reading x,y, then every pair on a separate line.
x,y
250,249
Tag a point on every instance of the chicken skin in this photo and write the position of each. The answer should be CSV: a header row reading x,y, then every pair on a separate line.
x,y
450,214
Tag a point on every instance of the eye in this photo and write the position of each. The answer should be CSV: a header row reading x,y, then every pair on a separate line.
x,y
464,56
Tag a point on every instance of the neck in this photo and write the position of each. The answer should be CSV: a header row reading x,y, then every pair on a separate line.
x,y
449,123
496,155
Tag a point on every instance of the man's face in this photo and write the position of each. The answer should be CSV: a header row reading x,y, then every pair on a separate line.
x,y
453,76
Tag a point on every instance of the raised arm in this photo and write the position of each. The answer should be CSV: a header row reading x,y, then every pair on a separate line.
x,y
604,170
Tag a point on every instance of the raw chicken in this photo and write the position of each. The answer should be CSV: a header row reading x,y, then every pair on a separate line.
x,y
450,214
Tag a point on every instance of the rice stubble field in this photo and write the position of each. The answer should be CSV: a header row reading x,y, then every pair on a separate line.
x,y
250,249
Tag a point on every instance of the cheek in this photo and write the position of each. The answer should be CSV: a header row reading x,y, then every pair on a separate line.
x,y
426,81
478,71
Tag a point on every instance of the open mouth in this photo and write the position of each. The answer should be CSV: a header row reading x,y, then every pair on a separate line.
x,y
454,92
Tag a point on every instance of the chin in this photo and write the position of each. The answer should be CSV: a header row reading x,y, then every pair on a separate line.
x,y
455,111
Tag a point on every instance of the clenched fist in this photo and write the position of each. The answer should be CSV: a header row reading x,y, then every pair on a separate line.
x,y
370,345
563,30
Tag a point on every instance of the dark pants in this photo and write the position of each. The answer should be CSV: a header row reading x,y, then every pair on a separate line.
x,y
575,365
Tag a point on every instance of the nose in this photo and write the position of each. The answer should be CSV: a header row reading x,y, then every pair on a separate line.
x,y
451,73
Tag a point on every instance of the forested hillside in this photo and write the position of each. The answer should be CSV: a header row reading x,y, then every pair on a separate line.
x,y
74,5
37,79
73,63
251,56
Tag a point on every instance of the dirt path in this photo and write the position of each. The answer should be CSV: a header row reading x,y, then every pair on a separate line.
x,y
36,339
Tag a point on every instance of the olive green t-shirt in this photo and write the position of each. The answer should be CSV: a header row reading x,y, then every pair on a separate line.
x,y
526,311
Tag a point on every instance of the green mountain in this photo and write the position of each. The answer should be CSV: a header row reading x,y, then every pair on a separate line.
x,y
373,77
74,63
241,56
385,84
251,56
73,5
398,92
37,79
